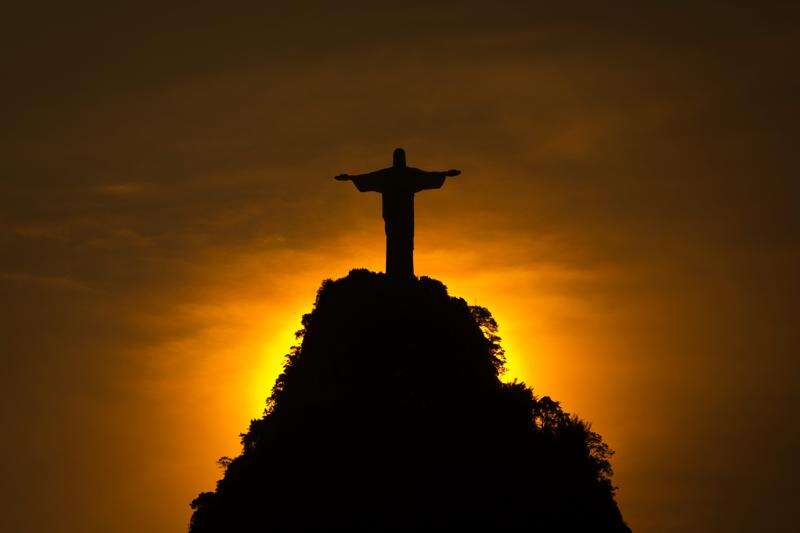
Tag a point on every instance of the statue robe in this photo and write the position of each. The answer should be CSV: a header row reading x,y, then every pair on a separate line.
x,y
398,187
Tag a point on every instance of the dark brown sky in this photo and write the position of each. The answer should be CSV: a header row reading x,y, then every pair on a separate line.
x,y
628,209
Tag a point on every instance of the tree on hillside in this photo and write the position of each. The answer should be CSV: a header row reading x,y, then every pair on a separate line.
x,y
390,416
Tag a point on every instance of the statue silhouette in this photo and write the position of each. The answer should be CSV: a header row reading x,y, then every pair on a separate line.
x,y
397,185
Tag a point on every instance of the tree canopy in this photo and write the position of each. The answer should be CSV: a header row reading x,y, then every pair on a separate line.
x,y
390,416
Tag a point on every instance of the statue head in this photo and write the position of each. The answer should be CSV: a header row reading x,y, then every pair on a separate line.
x,y
399,158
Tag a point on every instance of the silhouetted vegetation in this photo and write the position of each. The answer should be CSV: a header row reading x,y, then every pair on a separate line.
x,y
390,416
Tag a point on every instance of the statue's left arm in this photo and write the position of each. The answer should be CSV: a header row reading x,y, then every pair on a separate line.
x,y
432,180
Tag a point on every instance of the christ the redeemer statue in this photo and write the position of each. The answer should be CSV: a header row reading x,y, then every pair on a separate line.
x,y
397,185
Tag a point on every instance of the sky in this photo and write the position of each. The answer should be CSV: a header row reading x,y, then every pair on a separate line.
x,y
628,210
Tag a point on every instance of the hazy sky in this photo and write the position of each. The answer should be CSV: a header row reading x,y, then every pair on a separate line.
x,y
628,209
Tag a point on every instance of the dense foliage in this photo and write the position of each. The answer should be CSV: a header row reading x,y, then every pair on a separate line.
x,y
390,416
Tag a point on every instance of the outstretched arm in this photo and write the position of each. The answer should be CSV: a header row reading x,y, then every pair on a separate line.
x,y
432,180
368,175
422,174
371,181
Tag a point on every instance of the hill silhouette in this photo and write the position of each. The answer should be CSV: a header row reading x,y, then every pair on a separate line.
x,y
390,416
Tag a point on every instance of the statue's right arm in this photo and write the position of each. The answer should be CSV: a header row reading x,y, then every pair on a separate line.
x,y
353,177
364,182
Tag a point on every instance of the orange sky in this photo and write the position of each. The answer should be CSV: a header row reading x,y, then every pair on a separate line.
x,y
627,210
